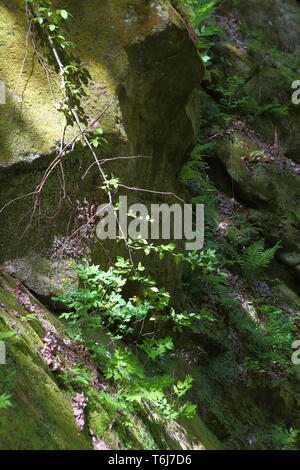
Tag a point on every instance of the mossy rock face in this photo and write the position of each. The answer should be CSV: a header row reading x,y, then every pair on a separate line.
x,y
27,251
268,32
272,192
233,154
278,19
270,186
142,62
41,416
30,124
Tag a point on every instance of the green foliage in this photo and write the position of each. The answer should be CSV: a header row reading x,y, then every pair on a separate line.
x,y
5,377
5,397
96,137
5,401
286,63
235,102
111,183
201,16
29,317
6,334
147,248
79,375
279,438
240,232
181,388
247,342
185,319
99,304
279,330
157,347
255,42
202,28
196,164
205,264
49,26
133,388
297,216
193,174
254,258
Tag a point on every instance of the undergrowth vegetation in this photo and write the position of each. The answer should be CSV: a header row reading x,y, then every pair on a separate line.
x,y
251,346
100,304
233,334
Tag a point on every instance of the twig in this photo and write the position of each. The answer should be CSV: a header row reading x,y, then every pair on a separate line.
x,y
112,159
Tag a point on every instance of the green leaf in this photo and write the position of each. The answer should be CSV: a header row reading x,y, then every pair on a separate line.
x,y
141,267
4,401
39,19
64,14
7,334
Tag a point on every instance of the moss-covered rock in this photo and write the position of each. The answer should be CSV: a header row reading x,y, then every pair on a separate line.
x,y
267,62
30,124
272,190
41,417
139,56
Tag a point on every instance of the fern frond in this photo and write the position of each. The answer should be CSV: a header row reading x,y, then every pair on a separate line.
x,y
255,257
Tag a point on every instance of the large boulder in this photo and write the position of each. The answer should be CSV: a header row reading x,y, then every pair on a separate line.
x,y
144,67
261,44
261,154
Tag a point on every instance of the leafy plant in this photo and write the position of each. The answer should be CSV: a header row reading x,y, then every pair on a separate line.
x,y
255,258
78,375
297,216
157,347
100,304
6,334
5,401
97,138
133,388
201,17
279,438
280,328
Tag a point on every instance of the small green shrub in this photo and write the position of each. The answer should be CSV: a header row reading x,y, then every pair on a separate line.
x,y
99,304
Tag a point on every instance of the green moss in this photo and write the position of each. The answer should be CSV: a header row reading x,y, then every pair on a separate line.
x,y
41,416
198,432
106,421
234,153
271,190
29,123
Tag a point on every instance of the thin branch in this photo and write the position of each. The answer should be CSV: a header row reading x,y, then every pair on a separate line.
x,y
25,55
110,160
164,193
